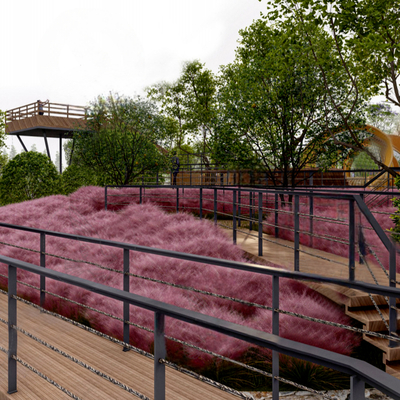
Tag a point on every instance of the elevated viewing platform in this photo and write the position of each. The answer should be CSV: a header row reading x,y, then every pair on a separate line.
x,y
52,119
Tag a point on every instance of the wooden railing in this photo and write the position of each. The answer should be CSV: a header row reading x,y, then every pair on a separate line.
x,y
48,109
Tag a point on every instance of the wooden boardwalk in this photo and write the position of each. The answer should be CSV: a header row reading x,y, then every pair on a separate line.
x,y
134,370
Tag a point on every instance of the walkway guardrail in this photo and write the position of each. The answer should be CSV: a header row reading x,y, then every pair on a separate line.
x,y
360,372
194,174
250,205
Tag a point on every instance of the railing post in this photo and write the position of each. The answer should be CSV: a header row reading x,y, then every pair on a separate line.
x,y
357,388
140,195
159,353
311,212
105,198
215,206
177,199
352,232
251,210
361,240
126,304
276,216
392,300
296,233
238,210
275,331
42,264
260,226
234,216
12,333
201,203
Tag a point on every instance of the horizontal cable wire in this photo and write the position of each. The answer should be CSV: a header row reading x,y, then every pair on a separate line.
x,y
114,340
46,378
84,327
82,364
380,264
204,379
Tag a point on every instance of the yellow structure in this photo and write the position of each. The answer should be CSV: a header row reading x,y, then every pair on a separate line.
x,y
383,146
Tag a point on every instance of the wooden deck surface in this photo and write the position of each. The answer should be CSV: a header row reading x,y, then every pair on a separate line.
x,y
33,126
134,370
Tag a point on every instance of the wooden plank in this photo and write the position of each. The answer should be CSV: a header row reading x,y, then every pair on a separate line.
x,y
130,368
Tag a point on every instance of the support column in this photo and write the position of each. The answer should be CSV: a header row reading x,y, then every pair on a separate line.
x,y
47,144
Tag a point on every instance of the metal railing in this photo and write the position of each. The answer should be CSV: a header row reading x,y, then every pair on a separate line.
x,y
360,372
48,109
197,174
250,205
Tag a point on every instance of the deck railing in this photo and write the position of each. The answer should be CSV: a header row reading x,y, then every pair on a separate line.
x,y
360,372
48,109
249,206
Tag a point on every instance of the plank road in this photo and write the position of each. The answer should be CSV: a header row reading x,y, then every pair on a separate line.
x,y
134,370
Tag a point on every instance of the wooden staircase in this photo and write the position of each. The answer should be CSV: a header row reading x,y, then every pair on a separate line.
x,y
359,307
357,304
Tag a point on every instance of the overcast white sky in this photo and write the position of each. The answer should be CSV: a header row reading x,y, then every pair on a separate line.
x,y
71,51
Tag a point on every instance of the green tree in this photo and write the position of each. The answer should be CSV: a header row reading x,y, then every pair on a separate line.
x,y
367,40
124,140
28,176
382,116
273,101
191,103
76,176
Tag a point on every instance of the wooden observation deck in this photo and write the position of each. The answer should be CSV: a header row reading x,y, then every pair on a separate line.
x,y
51,120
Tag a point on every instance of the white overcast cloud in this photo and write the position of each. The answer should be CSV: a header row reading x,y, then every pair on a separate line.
x,y
72,51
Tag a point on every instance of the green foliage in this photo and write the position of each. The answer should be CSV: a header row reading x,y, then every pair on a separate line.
x,y
273,101
28,176
122,140
302,372
396,216
190,103
367,41
382,116
76,176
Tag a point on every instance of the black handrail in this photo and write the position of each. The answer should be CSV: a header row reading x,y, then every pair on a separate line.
x,y
360,371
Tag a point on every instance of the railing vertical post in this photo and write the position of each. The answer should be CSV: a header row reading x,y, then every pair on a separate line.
x,y
105,198
238,210
159,353
177,199
275,331
357,388
361,240
311,212
12,333
296,233
140,195
260,226
215,206
201,203
352,232
126,304
392,300
234,216
42,264
251,210
276,216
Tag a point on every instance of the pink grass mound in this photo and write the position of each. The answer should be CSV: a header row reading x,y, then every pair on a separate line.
x,y
82,213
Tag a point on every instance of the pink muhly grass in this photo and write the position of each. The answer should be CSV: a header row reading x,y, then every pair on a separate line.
x,y
83,213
